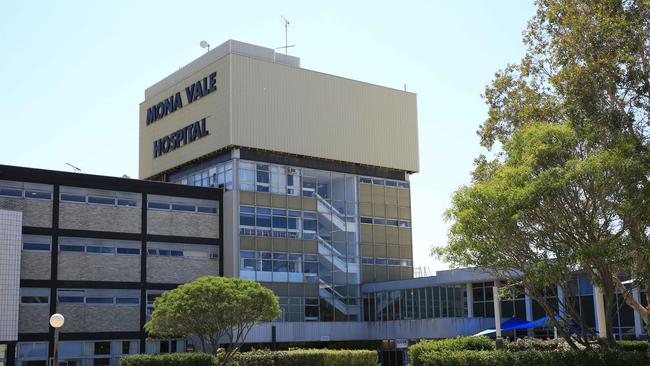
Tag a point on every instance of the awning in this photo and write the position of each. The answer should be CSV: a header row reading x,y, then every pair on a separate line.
x,y
515,323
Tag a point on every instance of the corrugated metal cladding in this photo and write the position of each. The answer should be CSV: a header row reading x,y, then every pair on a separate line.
x,y
267,105
281,108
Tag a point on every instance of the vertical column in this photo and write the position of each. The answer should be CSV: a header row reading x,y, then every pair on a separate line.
x,y
54,262
143,273
638,322
470,300
528,301
497,310
599,303
561,299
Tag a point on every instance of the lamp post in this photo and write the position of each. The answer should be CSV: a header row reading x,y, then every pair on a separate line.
x,y
56,321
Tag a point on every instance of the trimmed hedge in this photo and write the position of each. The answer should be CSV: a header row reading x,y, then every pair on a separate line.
x,y
172,359
308,357
530,358
641,346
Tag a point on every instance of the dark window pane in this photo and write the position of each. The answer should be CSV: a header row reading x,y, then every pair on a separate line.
x,y
71,248
246,220
126,347
71,299
176,253
101,200
102,348
38,195
279,222
129,203
127,300
11,192
366,220
152,252
36,246
379,182
186,208
164,346
160,206
34,299
365,180
132,251
391,183
212,210
72,198
263,220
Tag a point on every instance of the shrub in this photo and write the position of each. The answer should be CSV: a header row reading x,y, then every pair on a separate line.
x,y
641,346
311,357
173,359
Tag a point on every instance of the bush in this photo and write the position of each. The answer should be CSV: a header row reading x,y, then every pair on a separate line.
x,y
527,352
311,357
641,346
308,357
173,359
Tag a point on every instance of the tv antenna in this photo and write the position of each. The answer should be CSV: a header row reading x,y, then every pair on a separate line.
x,y
286,30
76,170
205,44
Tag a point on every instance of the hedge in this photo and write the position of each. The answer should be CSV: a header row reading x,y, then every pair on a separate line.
x,y
530,358
311,357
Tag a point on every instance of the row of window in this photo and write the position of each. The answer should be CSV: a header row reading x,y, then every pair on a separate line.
x,y
298,309
278,262
93,249
384,182
97,298
278,223
387,261
219,176
181,207
24,193
117,250
419,303
387,222
194,254
99,200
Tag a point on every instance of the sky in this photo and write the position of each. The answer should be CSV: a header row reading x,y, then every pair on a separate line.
x,y
74,72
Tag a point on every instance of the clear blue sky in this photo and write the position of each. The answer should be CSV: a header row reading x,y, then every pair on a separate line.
x,y
73,73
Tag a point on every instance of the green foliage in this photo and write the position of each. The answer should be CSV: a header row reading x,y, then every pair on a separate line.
x,y
213,308
527,352
311,357
641,346
173,359
307,357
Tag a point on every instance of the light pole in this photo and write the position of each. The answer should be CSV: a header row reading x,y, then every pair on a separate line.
x,y
56,321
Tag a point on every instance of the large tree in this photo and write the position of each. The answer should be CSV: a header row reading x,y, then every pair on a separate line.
x,y
213,309
584,204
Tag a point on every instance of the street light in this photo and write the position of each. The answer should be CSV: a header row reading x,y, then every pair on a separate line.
x,y
56,321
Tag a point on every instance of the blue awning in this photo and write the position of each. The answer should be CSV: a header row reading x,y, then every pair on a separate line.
x,y
515,323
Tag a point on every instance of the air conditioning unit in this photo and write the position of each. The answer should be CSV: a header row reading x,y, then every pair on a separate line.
x,y
291,171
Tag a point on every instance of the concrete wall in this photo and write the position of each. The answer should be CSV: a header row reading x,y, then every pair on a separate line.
x,y
35,212
82,216
34,319
182,224
35,265
97,267
99,318
10,251
179,269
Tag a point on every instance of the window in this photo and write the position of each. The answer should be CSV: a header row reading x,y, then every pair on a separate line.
x,y
100,250
211,210
127,301
36,247
72,198
126,347
366,220
99,300
8,192
71,248
365,180
128,251
186,208
71,299
391,183
158,205
262,182
102,348
101,200
127,203
34,300
38,195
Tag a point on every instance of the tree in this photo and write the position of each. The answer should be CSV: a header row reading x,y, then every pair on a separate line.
x,y
587,72
213,308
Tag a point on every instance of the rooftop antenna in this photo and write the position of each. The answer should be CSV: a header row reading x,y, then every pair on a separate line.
x,y
76,170
286,30
205,44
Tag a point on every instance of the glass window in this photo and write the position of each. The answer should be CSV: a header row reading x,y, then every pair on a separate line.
x,y
38,195
102,348
71,299
403,185
101,200
187,208
127,203
34,300
379,221
365,180
99,300
127,301
308,186
128,251
379,182
36,246
126,347
72,198
391,183
100,250
8,192
71,248
158,205
366,220
280,262
212,210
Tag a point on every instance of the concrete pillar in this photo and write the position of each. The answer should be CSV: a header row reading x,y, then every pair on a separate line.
x,y
470,300
561,300
497,311
529,312
638,322
599,303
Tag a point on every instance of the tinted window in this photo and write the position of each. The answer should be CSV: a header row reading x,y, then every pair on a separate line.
x,y
11,192
187,208
207,209
160,206
101,200
132,251
127,300
129,203
71,299
72,198
99,300
38,195
71,248
34,299
102,348
36,246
